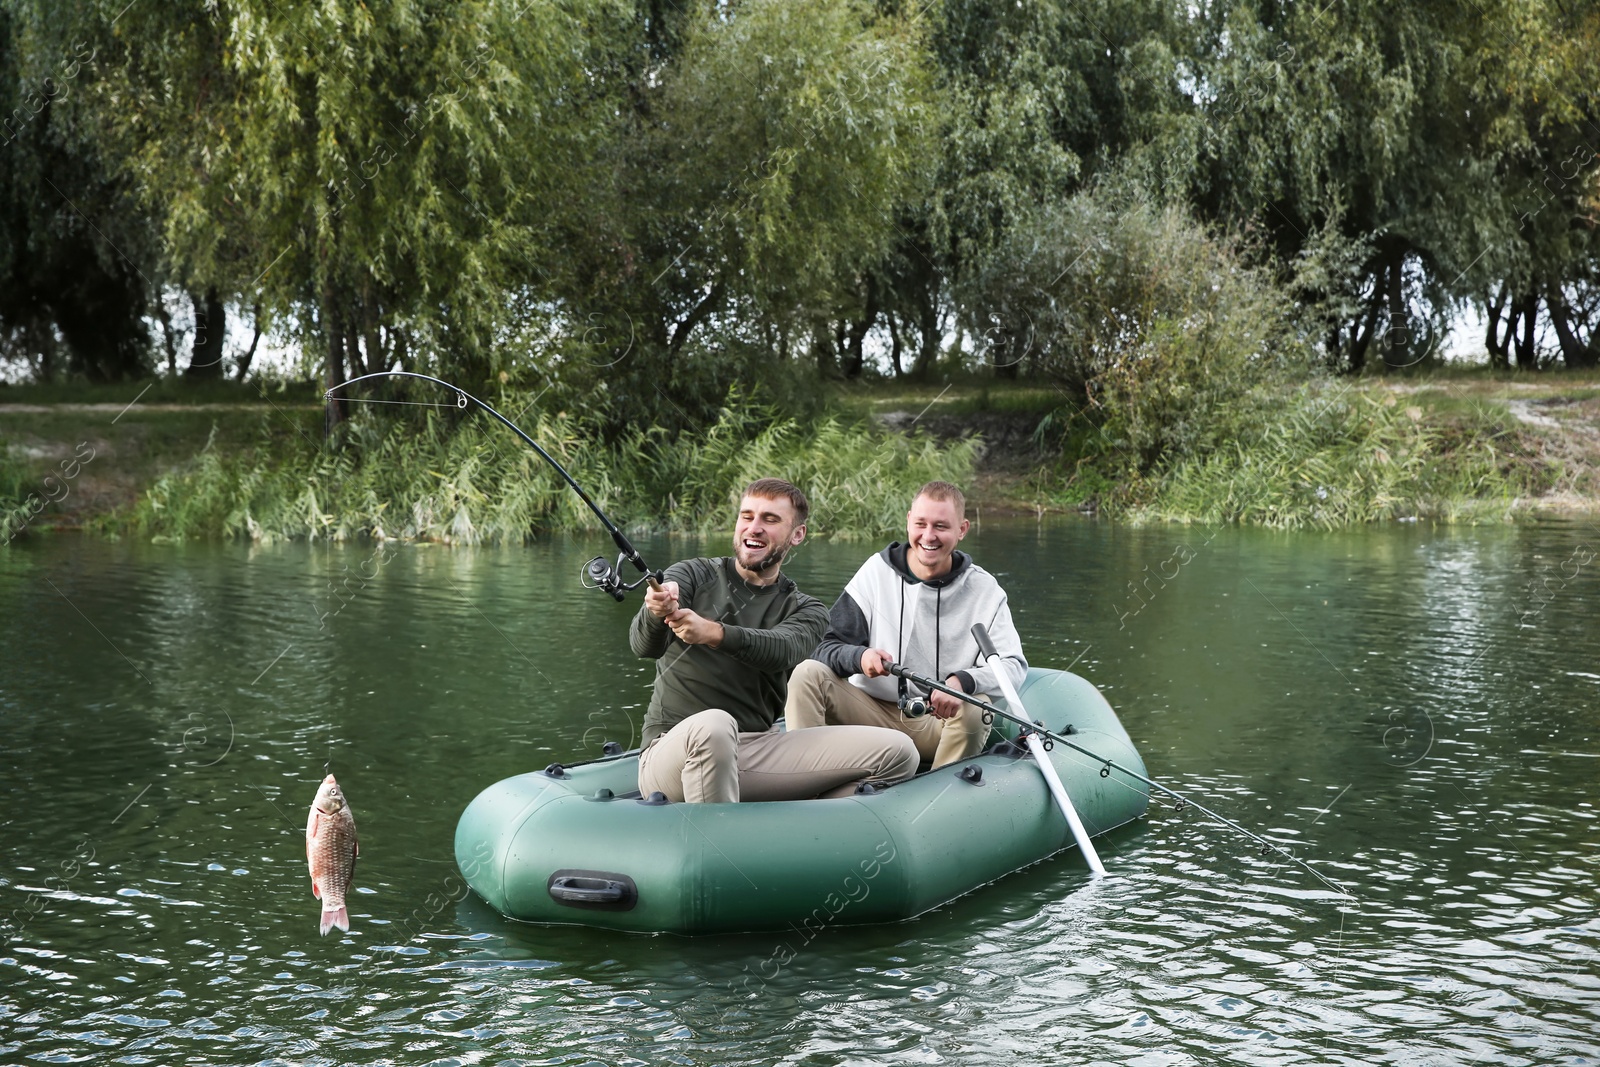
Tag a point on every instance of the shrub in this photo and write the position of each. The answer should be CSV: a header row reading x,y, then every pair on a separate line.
x,y
1155,329
1333,455
15,489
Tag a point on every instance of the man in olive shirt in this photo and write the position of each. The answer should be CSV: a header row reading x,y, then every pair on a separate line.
x,y
725,633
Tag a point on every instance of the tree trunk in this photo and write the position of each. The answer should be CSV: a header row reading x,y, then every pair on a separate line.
x,y
334,414
1397,334
352,348
928,331
1007,353
167,337
1574,351
1498,344
698,314
210,335
1361,337
369,321
823,349
1526,309
243,365
894,345
855,343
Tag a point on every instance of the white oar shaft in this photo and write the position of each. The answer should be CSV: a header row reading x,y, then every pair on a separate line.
x,y
1059,791
1051,778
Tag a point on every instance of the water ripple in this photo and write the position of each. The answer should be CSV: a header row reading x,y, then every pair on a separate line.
x,y
1367,700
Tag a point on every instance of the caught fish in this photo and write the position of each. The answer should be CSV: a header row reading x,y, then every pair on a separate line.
x,y
331,851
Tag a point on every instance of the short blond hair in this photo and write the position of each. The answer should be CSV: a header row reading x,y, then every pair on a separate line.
x,y
944,491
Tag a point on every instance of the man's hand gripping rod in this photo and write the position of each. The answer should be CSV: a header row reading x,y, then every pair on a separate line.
x,y
1107,766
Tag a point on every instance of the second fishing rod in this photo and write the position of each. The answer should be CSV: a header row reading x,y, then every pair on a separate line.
x,y
1107,766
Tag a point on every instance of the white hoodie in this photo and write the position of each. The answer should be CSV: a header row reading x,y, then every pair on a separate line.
x,y
925,625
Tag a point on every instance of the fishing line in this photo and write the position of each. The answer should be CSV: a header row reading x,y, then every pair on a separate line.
x,y
1109,765
602,574
406,403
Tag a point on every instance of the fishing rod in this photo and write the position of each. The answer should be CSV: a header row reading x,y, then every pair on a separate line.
x,y
1050,737
604,575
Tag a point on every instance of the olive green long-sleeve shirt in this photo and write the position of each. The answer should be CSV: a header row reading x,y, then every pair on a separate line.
x,y
768,630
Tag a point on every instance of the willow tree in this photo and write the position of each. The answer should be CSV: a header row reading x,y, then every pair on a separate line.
x,y
770,148
1012,85
78,260
387,180
1034,100
1378,144
1546,199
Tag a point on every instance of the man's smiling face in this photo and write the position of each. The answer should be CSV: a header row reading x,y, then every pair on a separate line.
x,y
933,529
766,530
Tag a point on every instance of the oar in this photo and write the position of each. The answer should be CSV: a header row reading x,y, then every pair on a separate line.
x,y
1110,765
1036,746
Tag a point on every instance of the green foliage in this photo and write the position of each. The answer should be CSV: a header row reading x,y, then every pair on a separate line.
x,y
786,196
858,481
473,482
758,179
633,209
388,179
1329,456
13,475
16,486
1155,329
77,257
1426,134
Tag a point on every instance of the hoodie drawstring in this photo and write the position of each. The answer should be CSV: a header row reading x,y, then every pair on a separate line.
x,y
900,634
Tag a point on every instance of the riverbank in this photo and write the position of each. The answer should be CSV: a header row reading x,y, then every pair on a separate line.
x,y
1451,445
1464,446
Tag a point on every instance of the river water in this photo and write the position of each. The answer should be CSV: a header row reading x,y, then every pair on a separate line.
x,y
1415,711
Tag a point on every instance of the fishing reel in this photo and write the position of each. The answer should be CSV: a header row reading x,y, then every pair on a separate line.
x,y
911,705
598,574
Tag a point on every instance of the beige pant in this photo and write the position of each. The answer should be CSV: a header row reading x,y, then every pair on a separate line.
x,y
705,759
817,696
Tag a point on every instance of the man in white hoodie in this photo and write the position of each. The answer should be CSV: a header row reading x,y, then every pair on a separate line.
x,y
915,605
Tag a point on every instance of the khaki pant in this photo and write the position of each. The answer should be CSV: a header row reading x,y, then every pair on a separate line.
x,y
817,696
705,759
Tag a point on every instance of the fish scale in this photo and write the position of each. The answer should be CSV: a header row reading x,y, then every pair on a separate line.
x,y
331,851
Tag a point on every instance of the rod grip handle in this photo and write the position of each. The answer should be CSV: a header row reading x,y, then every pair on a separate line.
x,y
985,645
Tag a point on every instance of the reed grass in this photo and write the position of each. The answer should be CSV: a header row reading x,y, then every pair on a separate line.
x,y
470,481
14,492
1332,456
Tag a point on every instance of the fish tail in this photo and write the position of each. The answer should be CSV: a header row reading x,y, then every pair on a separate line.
x,y
339,917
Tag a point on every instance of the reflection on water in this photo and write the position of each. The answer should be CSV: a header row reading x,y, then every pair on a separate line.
x,y
1412,710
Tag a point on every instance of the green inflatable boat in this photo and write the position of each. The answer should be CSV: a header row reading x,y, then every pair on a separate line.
x,y
576,844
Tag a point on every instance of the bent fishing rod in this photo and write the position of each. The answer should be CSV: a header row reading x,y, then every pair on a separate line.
x,y
604,575
1050,737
